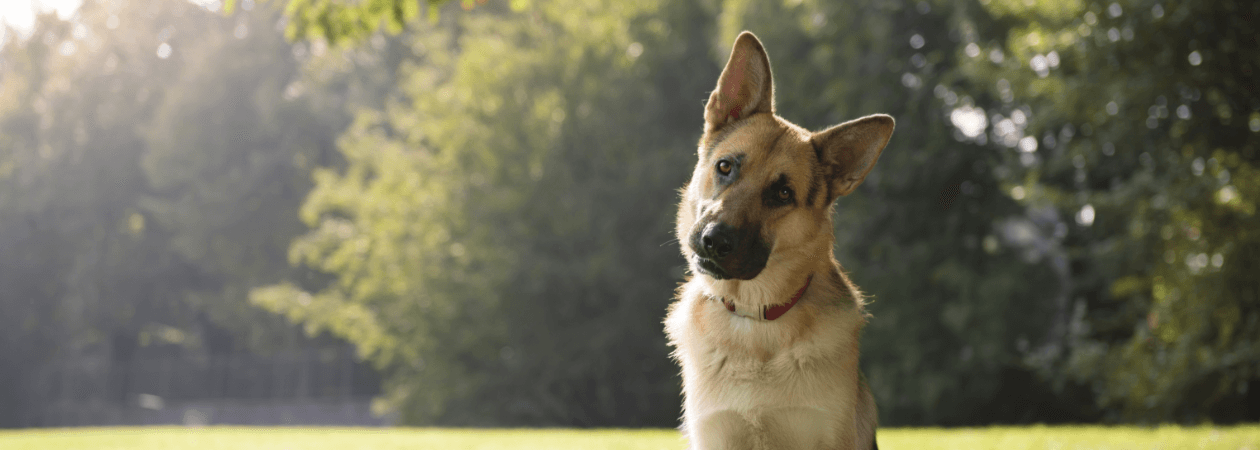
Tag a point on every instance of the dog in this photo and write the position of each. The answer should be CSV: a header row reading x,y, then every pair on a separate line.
x,y
766,327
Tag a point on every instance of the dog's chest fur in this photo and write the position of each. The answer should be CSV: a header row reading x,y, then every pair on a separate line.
x,y
787,383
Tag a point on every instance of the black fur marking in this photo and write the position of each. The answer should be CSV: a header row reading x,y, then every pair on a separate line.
x,y
827,173
818,154
812,197
770,196
724,133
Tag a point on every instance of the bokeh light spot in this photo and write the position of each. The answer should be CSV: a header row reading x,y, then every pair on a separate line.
x,y
1086,215
971,121
916,41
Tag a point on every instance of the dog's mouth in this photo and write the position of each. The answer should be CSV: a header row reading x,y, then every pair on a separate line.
x,y
710,268
718,272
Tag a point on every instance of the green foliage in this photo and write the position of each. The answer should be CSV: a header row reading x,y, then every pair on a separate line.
x,y
1148,138
479,199
59,193
959,234
227,190
339,21
76,258
1071,191
150,174
482,223
949,310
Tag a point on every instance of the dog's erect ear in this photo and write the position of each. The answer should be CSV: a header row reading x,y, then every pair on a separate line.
x,y
745,87
848,151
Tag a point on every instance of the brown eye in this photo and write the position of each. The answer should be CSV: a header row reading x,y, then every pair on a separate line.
x,y
778,194
724,167
784,194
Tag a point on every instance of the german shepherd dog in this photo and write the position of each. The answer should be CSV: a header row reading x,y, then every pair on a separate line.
x,y
766,328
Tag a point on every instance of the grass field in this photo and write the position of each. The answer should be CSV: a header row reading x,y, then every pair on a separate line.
x,y
240,438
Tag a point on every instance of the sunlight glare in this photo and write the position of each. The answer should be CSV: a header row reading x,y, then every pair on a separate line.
x,y
19,15
209,5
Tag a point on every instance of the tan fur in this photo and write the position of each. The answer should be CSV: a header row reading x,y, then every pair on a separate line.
x,y
790,383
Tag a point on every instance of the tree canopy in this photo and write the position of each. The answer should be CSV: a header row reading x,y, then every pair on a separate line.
x,y
1139,131
993,246
480,196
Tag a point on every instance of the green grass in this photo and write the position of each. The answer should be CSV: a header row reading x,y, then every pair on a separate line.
x,y
1073,438
234,438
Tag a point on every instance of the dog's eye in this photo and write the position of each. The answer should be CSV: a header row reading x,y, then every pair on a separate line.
x,y
724,167
784,194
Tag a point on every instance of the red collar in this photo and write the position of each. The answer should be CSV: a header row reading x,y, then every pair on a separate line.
x,y
771,312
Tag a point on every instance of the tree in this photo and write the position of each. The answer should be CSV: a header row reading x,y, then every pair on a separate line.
x,y
1141,133
953,309
500,240
150,172
1013,226
475,198
76,259
227,189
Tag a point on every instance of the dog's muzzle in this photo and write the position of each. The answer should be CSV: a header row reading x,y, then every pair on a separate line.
x,y
724,252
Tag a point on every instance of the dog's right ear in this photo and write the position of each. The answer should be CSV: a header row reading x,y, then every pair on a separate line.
x,y
745,87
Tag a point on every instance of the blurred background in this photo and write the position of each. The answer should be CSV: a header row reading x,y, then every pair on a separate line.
x,y
460,213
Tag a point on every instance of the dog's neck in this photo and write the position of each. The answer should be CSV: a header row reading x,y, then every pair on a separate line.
x,y
776,285
770,312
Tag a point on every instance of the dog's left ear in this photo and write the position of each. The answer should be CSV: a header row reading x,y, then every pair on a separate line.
x,y
746,86
848,151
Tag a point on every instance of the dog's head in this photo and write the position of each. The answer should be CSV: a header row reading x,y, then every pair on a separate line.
x,y
763,187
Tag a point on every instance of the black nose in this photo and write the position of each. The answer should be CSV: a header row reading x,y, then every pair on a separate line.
x,y
718,240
